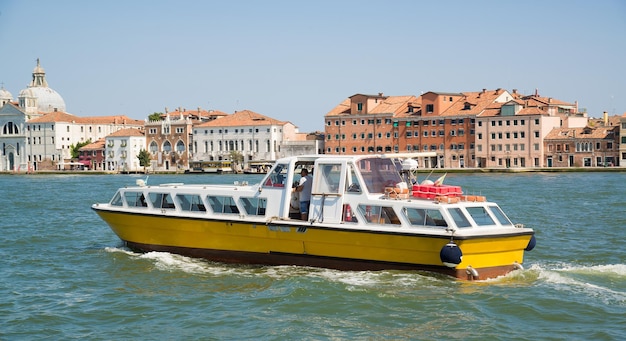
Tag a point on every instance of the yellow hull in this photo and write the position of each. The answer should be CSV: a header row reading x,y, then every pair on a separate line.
x,y
281,243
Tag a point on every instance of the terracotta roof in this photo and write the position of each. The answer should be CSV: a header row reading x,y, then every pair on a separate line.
x,y
242,118
579,133
393,104
396,105
538,100
128,132
478,103
342,108
99,144
60,116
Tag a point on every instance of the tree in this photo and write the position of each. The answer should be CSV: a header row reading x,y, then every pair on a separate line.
x,y
155,116
144,159
75,148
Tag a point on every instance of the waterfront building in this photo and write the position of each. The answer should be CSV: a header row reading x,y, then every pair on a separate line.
x,y
122,148
363,124
49,138
512,135
92,156
253,136
595,145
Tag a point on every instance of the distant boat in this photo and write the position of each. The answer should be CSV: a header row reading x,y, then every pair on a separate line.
x,y
258,167
218,167
366,213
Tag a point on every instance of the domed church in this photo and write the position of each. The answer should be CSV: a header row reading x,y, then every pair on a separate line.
x,y
38,98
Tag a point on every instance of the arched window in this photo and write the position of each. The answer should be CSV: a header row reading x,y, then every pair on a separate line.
x,y
10,129
180,147
153,147
167,146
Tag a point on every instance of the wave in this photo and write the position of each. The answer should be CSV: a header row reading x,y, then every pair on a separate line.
x,y
606,283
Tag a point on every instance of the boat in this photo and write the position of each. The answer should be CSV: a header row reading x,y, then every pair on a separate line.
x,y
258,167
367,212
218,167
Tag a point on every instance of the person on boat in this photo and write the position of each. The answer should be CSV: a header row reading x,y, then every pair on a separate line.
x,y
304,188
294,204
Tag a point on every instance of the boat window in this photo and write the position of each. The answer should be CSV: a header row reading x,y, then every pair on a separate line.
x,y
135,199
379,214
480,215
222,204
422,217
352,181
277,177
254,206
327,178
117,200
459,217
502,218
161,200
378,173
190,202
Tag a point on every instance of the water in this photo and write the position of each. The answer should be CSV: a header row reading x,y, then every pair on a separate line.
x,y
65,275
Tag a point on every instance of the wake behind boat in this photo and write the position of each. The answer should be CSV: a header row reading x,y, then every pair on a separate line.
x,y
365,213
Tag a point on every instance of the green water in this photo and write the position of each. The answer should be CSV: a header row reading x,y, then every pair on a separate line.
x,y
65,275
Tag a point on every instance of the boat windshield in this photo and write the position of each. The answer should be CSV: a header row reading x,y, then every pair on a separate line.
x,y
379,173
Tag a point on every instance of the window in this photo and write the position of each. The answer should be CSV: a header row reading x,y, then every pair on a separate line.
x,y
480,216
161,200
430,108
133,199
223,204
254,206
379,214
190,202
424,218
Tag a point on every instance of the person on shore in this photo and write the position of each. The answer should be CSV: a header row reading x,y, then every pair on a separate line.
x,y
304,188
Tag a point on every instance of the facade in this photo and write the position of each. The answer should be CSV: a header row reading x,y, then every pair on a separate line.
x,y
49,138
92,156
169,142
13,138
122,148
304,144
489,128
582,147
364,124
513,136
36,100
253,136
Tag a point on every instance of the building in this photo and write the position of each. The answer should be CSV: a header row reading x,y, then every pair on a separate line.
x,y
364,124
590,146
253,136
35,101
50,138
122,148
92,156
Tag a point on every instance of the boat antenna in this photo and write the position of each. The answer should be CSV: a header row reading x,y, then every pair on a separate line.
x,y
429,174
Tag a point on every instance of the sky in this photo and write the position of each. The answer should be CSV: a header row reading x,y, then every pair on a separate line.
x,y
296,60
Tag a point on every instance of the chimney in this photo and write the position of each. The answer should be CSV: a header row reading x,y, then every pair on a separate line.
x,y
515,91
166,110
605,116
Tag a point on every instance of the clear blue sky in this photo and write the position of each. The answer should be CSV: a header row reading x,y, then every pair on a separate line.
x,y
296,60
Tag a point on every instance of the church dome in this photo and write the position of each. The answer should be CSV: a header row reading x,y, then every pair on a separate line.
x,y
46,99
5,96
38,97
